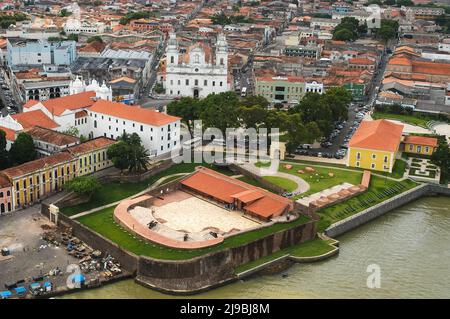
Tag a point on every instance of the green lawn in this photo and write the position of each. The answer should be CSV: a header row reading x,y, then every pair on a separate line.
x,y
254,182
320,180
114,191
287,184
380,189
419,120
399,169
103,223
310,248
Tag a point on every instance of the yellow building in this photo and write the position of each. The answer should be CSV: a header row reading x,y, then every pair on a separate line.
x,y
91,155
375,145
420,144
37,179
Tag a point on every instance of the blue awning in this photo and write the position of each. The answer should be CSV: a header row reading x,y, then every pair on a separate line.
x,y
78,278
20,290
35,285
5,294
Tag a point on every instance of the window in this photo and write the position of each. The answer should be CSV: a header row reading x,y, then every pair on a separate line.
x,y
221,61
357,164
374,156
172,59
419,148
358,156
372,165
195,82
205,82
411,147
385,159
187,81
427,149
95,123
142,128
214,83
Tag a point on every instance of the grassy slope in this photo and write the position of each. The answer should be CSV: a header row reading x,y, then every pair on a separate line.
x,y
284,183
337,212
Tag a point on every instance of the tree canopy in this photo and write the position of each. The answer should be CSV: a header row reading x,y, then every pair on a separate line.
x,y
22,150
129,153
83,185
441,158
4,156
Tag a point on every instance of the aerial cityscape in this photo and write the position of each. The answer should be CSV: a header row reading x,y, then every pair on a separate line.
x,y
224,149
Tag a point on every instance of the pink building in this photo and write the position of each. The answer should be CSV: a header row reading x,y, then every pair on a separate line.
x,y
5,195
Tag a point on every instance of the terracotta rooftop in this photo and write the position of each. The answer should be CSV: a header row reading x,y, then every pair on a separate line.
x,y
4,181
70,102
91,145
379,135
258,201
10,134
38,164
50,136
133,113
35,118
421,140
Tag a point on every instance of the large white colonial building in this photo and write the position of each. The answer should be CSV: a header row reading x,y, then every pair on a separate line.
x,y
197,72
90,110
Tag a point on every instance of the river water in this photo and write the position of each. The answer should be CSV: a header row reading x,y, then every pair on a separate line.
x,y
410,245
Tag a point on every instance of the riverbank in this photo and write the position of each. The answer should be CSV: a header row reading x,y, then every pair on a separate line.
x,y
409,244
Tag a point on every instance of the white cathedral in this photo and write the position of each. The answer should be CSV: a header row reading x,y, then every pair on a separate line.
x,y
101,91
198,72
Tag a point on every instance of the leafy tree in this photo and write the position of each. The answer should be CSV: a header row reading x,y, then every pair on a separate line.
x,y
390,2
388,30
159,89
343,35
73,37
4,156
187,108
83,185
252,100
129,153
22,150
72,131
220,111
406,3
95,38
118,154
64,13
252,116
338,99
441,158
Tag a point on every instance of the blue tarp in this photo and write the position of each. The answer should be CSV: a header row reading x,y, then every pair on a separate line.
x,y
5,294
35,285
79,278
47,284
20,290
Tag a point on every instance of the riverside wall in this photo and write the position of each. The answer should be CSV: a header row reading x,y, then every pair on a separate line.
x,y
375,211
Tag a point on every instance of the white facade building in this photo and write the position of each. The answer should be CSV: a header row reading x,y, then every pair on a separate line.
x,y
198,72
160,133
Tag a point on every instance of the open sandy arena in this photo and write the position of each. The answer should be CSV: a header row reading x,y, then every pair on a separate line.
x,y
183,212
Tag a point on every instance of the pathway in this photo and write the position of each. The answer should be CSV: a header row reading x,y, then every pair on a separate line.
x,y
302,186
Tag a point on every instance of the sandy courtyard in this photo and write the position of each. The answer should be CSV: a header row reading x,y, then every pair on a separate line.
x,y
193,215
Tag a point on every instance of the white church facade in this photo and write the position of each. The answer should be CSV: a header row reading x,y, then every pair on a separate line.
x,y
199,71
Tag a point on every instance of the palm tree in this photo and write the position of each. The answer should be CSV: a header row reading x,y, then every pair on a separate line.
x,y
138,158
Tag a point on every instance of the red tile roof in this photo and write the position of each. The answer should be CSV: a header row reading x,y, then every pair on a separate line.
x,y
10,134
35,118
256,200
33,166
70,102
380,135
133,113
4,181
421,140
91,145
